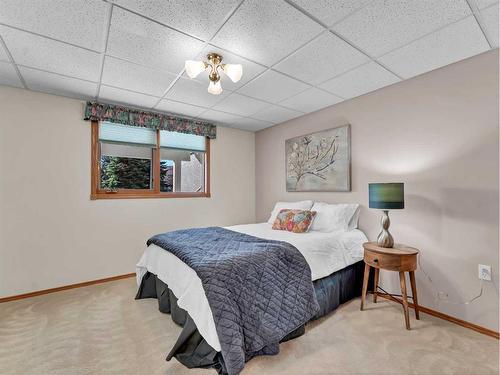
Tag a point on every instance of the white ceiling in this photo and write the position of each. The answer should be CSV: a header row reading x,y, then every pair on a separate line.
x,y
298,56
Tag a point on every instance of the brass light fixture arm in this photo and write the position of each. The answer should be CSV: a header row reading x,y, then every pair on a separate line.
x,y
215,62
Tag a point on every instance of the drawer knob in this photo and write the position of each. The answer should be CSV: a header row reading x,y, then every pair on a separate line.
x,y
375,260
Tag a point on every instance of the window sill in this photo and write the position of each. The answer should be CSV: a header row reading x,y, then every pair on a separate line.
x,y
121,195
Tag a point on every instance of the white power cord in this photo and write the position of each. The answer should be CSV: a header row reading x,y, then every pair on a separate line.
x,y
438,298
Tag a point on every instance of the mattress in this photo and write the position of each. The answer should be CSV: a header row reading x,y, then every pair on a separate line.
x,y
325,253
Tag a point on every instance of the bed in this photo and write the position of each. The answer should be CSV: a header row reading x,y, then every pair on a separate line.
x,y
336,272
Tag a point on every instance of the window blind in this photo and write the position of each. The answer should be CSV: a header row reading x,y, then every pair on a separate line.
x,y
110,132
120,150
182,141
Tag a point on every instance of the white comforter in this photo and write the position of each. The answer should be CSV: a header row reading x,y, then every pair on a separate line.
x,y
324,252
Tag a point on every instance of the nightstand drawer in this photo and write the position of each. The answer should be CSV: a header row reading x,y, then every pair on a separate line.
x,y
391,262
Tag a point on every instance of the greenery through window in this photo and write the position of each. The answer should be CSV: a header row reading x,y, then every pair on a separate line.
x,y
125,173
141,162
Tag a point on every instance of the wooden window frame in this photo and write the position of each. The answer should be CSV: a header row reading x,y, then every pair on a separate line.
x,y
97,193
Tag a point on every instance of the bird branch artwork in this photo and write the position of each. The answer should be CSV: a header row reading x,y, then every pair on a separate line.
x,y
311,157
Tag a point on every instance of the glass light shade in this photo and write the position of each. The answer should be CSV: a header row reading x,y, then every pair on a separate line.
x,y
214,88
193,68
233,71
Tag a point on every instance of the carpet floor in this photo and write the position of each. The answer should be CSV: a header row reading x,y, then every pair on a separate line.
x,y
101,329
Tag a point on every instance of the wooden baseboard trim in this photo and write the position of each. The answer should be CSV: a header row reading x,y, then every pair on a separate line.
x,y
449,318
65,287
423,309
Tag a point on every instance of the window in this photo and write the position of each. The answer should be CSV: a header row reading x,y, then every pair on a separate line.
x,y
135,162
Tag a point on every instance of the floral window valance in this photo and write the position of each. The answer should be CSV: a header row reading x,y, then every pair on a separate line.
x,y
122,115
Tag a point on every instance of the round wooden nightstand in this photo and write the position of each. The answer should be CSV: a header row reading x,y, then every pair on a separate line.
x,y
399,258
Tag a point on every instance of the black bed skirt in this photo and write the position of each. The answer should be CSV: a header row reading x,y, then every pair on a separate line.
x,y
192,350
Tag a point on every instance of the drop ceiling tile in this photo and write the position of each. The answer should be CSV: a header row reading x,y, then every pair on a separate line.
x,y
250,124
481,4
490,19
455,42
198,18
240,105
180,108
359,81
311,100
145,42
3,54
273,87
46,54
276,114
218,117
8,75
58,85
250,69
119,96
266,31
135,77
322,59
385,25
193,92
330,11
73,21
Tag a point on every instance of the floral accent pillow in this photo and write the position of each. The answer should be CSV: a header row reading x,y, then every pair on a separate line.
x,y
297,221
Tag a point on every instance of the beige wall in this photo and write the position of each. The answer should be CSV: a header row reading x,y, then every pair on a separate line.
x,y
437,133
52,234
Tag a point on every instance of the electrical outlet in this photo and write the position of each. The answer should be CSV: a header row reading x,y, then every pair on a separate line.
x,y
484,272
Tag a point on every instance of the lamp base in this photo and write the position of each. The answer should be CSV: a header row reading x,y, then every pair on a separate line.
x,y
385,239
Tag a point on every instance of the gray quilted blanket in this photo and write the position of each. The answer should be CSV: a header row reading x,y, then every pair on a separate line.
x,y
258,290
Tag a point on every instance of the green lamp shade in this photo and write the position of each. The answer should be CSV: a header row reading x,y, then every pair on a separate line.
x,y
388,196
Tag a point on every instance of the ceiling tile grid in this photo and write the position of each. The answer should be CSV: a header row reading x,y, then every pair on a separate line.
x,y
330,12
130,76
276,114
490,18
197,18
366,78
240,105
298,56
273,87
3,54
118,96
73,21
51,83
193,92
266,31
481,4
47,54
385,25
142,41
219,117
179,108
453,43
323,58
8,75
247,123
311,100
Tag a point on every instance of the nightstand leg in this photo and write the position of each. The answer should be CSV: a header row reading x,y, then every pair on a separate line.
x,y
414,293
375,285
365,285
402,281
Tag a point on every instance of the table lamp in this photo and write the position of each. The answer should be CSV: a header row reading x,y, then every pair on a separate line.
x,y
386,196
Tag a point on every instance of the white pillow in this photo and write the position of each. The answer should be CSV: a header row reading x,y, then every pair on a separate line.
x,y
332,217
302,205
354,222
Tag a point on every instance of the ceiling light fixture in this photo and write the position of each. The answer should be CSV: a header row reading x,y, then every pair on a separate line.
x,y
233,71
